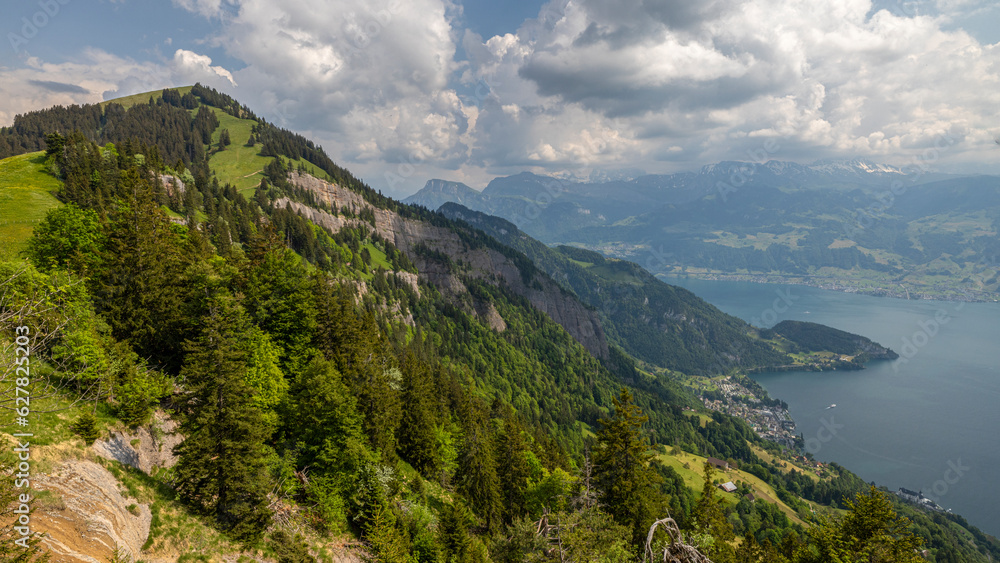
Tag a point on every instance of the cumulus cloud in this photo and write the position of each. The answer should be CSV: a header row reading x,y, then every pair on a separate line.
x,y
831,78
368,79
191,64
39,84
96,75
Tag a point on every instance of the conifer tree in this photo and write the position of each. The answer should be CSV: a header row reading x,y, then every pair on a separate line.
x,y
279,298
220,470
456,542
86,428
417,435
513,468
386,541
224,139
352,340
138,283
870,531
321,418
477,470
622,470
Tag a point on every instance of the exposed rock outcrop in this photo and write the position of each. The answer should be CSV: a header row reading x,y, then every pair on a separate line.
x,y
142,448
480,263
488,313
89,517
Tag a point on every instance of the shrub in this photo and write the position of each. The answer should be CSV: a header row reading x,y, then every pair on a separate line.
x,y
86,428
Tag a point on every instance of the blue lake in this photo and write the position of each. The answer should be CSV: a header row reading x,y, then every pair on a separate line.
x,y
928,421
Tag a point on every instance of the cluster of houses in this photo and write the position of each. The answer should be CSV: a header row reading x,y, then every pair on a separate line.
x,y
817,466
770,423
918,499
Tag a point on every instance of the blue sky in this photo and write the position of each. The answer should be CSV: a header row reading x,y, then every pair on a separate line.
x,y
404,91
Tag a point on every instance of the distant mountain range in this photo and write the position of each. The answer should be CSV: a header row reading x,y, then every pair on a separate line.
x,y
845,224
634,194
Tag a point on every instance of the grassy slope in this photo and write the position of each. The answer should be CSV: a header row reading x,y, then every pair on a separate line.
x,y
689,466
135,99
240,165
26,194
27,190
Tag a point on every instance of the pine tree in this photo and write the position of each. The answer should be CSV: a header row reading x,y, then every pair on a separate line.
x,y
279,298
138,283
224,139
136,391
477,470
290,549
86,428
321,417
417,435
220,470
385,540
364,358
750,551
513,469
456,542
870,531
622,470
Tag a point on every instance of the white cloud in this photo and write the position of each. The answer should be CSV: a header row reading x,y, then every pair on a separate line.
x,y
191,64
207,8
368,79
829,78
36,84
96,75
601,84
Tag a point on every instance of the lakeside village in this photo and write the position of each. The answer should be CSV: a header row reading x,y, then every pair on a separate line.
x,y
744,398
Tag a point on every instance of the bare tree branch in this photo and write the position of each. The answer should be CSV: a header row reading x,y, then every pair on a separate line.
x,y
676,551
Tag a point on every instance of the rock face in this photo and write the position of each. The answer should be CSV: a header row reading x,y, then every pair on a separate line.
x,y
488,313
141,448
90,517
479,263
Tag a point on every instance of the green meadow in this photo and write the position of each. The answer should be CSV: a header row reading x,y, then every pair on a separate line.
x,y
27,192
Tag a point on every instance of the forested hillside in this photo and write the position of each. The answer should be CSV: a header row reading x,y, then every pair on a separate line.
x,y
661,324
345,367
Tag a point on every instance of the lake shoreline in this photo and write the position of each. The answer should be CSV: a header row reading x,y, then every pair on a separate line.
x,y
900,423
839,285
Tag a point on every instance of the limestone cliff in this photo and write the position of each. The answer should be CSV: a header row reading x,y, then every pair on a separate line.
x,y
476,262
